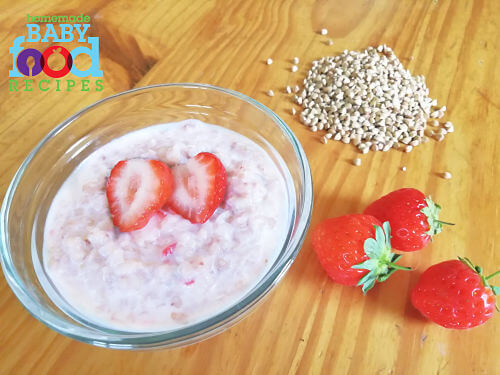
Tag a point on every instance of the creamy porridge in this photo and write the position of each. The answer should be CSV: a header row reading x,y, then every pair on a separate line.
x,y
170,273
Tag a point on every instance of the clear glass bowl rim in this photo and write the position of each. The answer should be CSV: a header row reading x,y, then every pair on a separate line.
x,y
183,336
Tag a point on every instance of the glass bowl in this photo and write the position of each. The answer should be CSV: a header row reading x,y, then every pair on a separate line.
x,y
35,184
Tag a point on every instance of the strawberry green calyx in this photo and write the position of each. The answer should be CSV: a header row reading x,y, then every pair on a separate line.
x,y
432,213
479,271
382,260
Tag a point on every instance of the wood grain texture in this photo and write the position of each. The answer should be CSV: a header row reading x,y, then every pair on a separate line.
x,y
309,325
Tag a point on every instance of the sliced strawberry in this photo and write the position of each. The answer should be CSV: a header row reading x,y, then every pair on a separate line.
x,y
136,190
200,186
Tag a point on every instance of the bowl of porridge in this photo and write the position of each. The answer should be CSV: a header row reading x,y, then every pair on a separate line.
x,y
147,273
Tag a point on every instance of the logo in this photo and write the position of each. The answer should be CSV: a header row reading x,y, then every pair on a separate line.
x,y
30,62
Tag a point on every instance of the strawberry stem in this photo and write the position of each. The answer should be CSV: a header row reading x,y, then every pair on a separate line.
x,y
492,275
468,263
444,222
398,267
479,271
381,263
431,211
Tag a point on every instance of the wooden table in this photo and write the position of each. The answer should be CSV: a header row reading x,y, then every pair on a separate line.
x,y
309,325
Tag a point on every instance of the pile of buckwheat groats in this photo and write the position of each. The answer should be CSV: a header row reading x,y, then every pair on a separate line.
x,y
370,100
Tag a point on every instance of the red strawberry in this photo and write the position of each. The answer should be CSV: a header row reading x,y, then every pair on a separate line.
x,y
414,218
355,250
455,294
200,186
136,190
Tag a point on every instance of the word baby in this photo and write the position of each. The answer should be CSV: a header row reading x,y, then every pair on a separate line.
x,y
21,55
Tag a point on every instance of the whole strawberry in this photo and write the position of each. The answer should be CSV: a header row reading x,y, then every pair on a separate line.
x,y
355,250
455,294
414,218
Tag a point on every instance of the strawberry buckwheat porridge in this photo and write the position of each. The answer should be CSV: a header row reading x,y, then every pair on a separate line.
x,y
165,226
